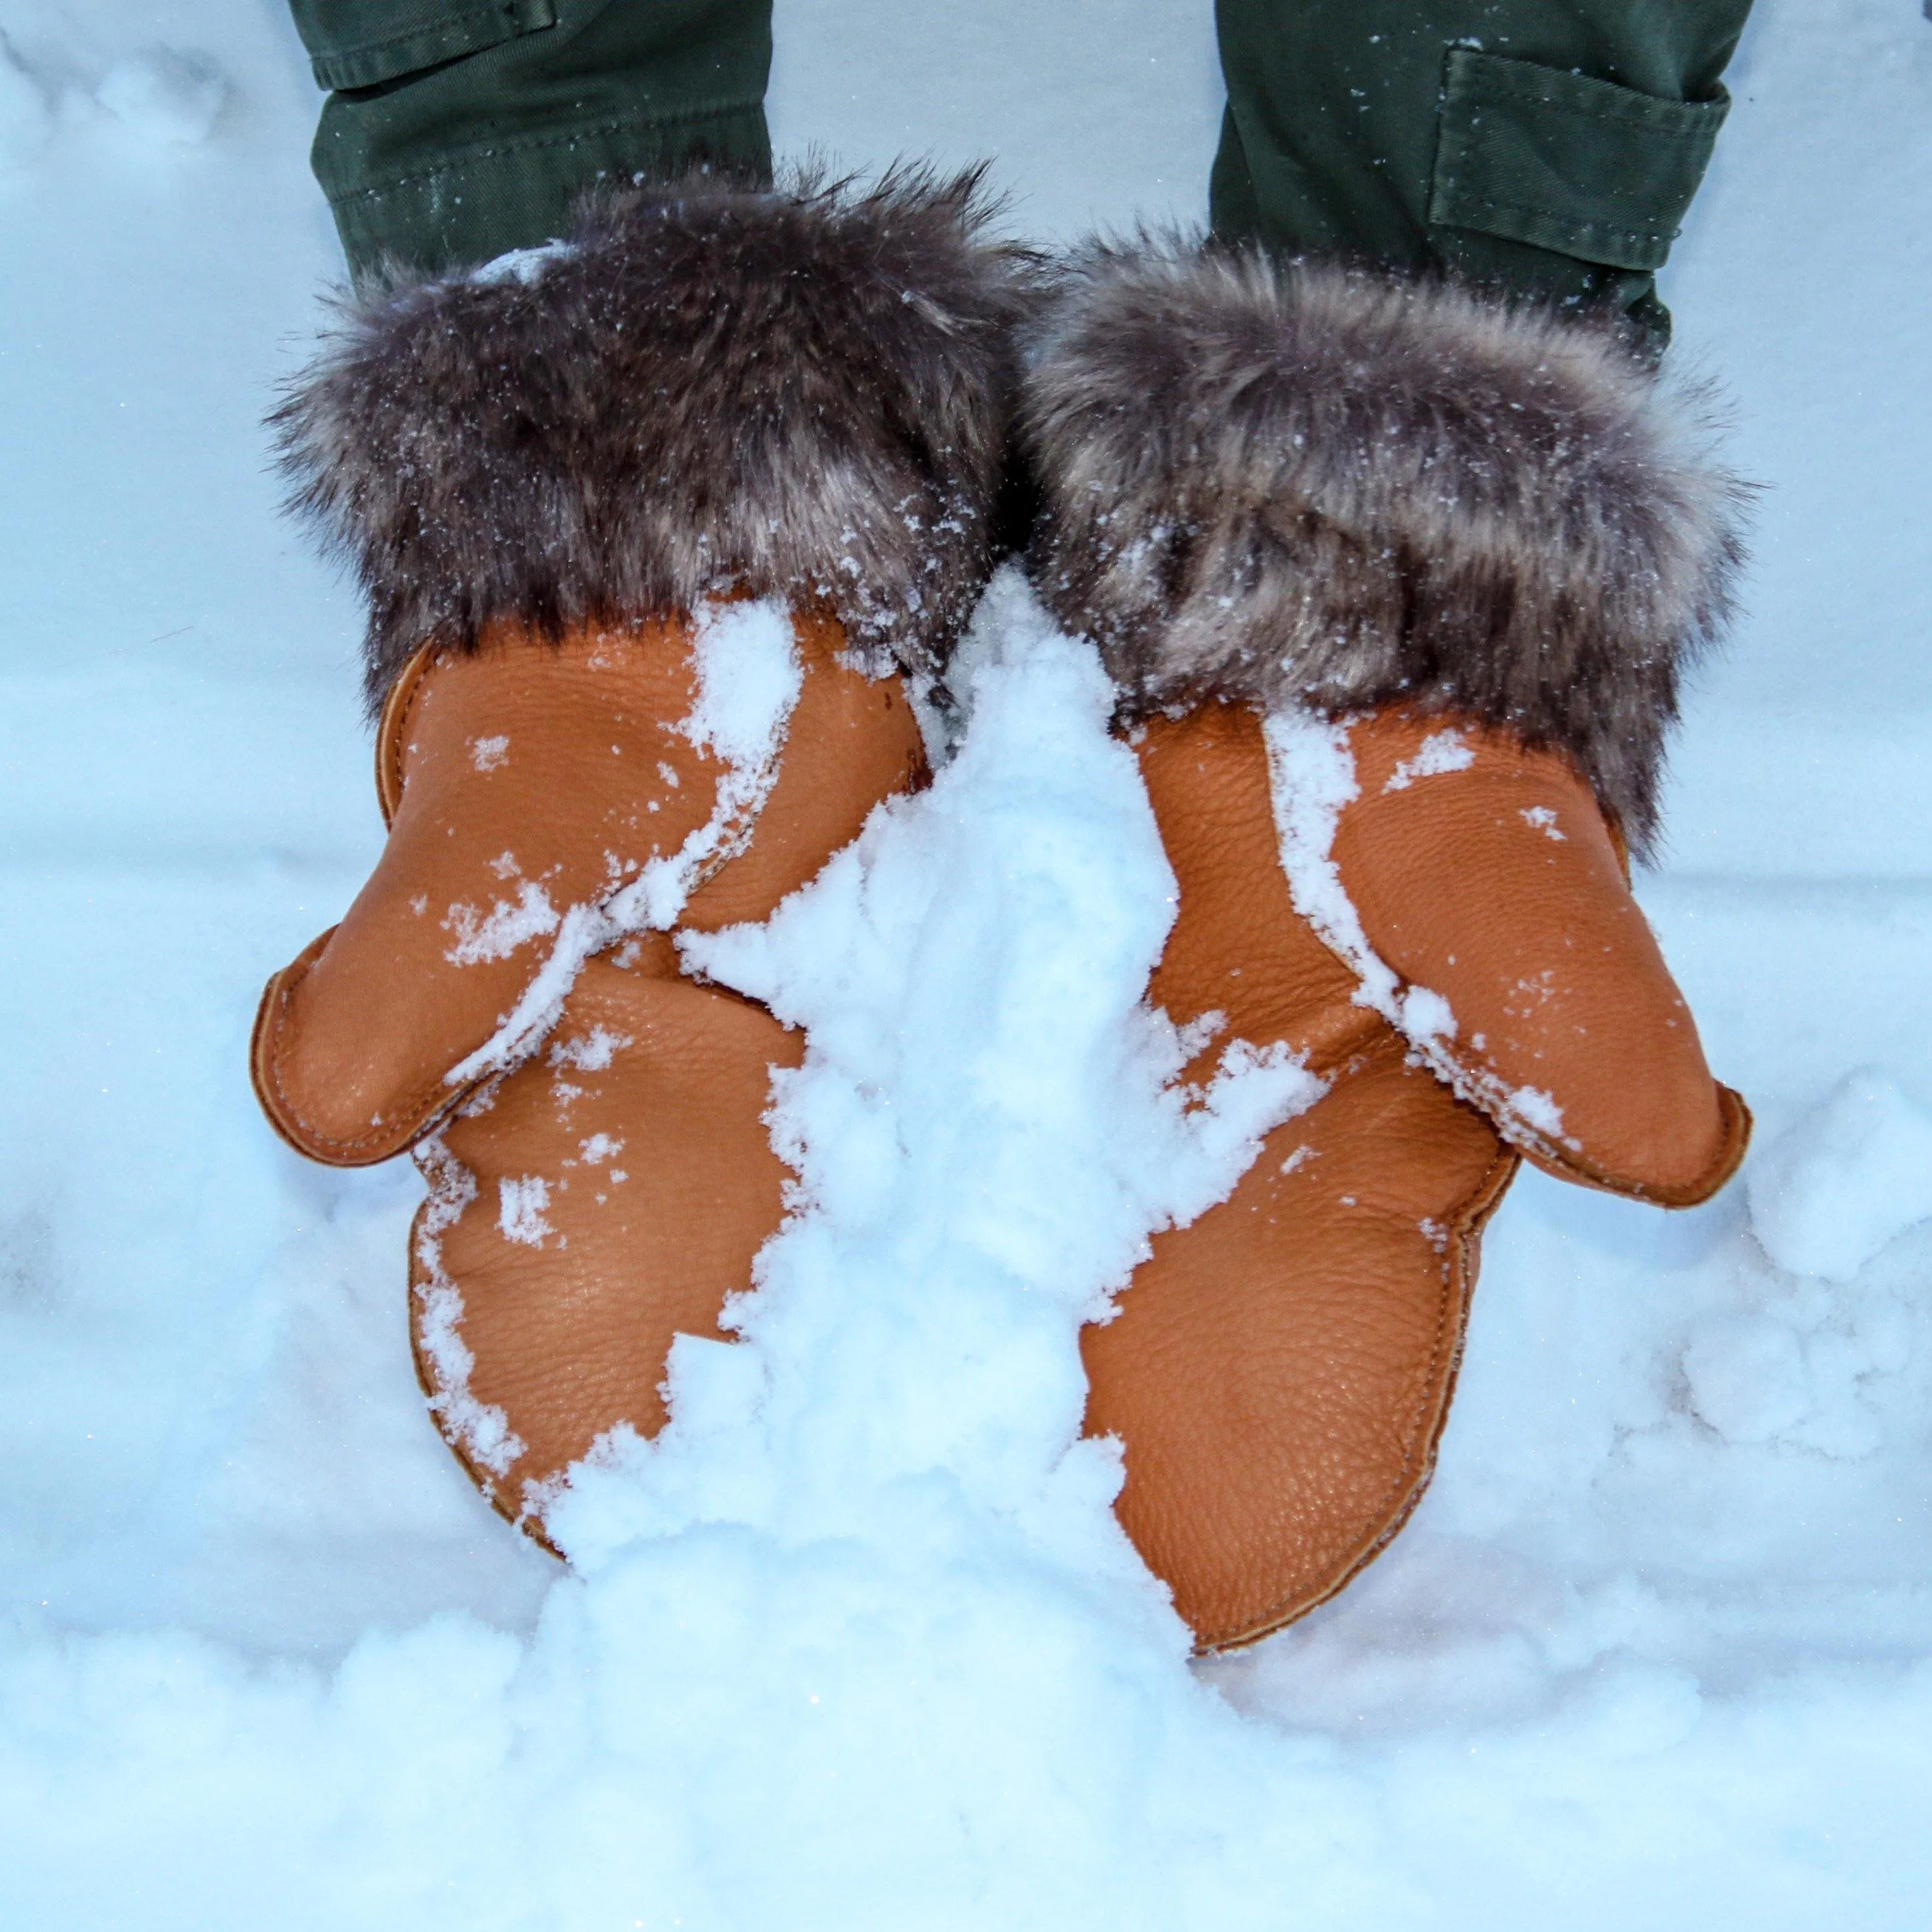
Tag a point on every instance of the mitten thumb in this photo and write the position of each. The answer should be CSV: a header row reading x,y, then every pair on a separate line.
x,y
527,785
1490,885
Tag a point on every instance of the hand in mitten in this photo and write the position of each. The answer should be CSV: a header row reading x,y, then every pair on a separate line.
x,y
654,524
1494,923
1395,585
546,802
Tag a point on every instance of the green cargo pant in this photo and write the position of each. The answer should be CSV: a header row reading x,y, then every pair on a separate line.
x,y
1549,144
458,129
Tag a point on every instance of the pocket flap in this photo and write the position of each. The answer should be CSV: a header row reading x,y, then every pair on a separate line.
x,y
356,43
1584,167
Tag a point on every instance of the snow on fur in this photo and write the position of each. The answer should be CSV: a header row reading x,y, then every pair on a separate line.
x,y
1306,485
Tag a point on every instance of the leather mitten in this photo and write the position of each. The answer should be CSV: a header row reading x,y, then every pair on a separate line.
x,y
654,524
1395,585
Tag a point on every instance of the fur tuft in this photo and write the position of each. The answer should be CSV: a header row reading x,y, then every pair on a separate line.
x,y
803,392
1308,485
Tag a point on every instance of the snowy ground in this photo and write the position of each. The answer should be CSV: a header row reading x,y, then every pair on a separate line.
x,y
858,1647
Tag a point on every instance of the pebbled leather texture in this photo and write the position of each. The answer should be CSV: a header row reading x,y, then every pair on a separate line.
x,y
611,1189
1499,884
1280,1371
508,775
532,775
612,1193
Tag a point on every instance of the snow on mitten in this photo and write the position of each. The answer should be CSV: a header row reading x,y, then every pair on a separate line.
x,y
653,523
1395,584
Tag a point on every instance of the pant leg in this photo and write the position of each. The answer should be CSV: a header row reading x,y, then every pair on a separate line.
x,y
1549,145
458,129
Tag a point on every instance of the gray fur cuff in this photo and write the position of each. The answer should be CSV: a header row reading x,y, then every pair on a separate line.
x,y
1308,485
805,392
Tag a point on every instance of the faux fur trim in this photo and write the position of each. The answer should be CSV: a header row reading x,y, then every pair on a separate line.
x,y
805,391
1307,485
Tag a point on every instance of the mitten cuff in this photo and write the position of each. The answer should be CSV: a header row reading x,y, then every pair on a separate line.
x,y
802,392
1305,485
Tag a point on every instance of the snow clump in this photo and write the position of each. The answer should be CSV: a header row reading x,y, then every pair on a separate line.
x,y
1845,1181
857,1640
1746,1376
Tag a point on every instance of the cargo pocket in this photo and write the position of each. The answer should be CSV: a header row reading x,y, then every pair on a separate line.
x,y
1583,167
356,43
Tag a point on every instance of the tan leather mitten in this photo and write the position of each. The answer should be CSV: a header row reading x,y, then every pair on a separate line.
x,y
1395,586
653,524
1488,874
613,1189
545,802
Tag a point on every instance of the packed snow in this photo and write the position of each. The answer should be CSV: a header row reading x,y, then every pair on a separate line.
x,y
164,96
1845,1180
856,1643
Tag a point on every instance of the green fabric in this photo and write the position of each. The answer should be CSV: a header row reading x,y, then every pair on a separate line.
x,y
460,128
1507,159
1546,146
359,47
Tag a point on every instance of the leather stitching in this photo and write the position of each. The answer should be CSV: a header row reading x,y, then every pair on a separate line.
x,y
419,1116
399,711
1572,1166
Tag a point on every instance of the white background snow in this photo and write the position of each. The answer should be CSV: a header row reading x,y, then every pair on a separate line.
x,y
858,1647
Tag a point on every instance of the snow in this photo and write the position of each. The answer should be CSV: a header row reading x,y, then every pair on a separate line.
x,y
749,676
527,266
509,924
26,120
1311,777
1536,1109
482,1429
590,1052
1657,1649
520,1214
163,96
1746,1376
1852,1174
1440,752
